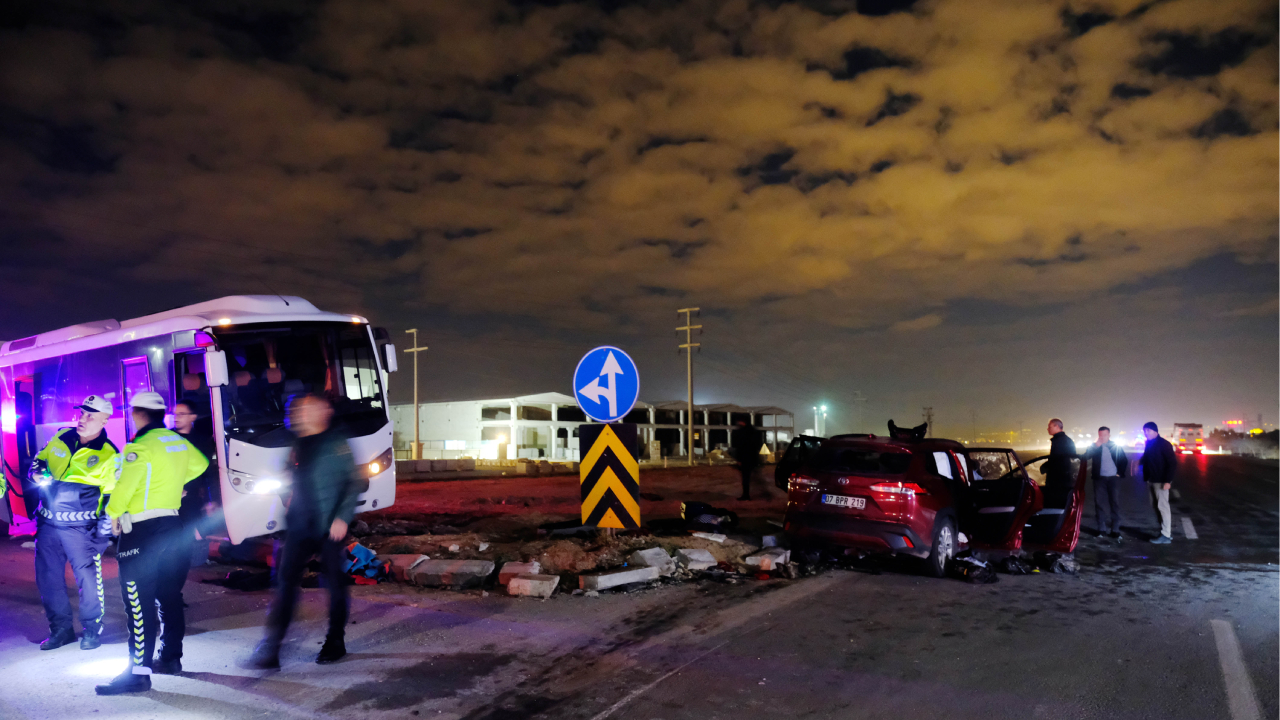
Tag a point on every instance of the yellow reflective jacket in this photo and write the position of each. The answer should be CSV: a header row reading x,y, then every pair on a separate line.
x,y
82,473
152,471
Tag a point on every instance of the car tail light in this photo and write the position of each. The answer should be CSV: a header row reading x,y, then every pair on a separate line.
x,y
899,489
800,482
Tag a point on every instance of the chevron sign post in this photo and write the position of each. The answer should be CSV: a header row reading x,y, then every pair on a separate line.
x,y
610,476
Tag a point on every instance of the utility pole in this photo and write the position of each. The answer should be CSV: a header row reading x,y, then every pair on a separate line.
x,y
688,347
973,424
858,402
416,454
928,421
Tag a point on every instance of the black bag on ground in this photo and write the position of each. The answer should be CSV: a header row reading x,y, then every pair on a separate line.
x,y
1015,565
972,570
1055,563
701,516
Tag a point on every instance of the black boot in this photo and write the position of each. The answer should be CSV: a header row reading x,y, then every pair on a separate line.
x,y
90,640
125,682
167,667
266,656
57,639
334,649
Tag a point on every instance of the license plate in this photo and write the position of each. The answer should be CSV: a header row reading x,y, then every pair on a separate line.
x,y
844,501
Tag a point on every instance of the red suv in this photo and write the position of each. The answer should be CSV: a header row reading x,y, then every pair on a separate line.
x,y
925,498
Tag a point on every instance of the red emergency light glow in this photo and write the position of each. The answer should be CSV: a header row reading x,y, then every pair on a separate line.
x,y
204,339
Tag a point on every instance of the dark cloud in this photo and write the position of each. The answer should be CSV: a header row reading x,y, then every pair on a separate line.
x,y
551,172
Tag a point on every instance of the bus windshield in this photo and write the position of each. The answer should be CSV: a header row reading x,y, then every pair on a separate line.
x,y
270,363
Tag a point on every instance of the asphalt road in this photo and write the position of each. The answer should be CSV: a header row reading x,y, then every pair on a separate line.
x,y
1188,630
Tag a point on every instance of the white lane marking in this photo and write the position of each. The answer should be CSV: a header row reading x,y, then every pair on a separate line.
x,y
1188,529
1241,698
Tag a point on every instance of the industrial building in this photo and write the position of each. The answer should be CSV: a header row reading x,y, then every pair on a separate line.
x,y
545,426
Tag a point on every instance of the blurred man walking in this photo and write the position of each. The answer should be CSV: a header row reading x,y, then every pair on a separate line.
x,y
322,504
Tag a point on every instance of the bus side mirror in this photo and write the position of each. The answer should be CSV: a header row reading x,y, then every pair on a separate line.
x,y
215,368
389,358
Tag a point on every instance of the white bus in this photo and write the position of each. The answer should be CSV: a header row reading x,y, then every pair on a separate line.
x,y
240,358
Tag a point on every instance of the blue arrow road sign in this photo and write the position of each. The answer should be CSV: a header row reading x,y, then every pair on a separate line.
x,y
606,384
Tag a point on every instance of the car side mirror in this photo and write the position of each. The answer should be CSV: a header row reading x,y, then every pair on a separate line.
x,y
215,368
389,361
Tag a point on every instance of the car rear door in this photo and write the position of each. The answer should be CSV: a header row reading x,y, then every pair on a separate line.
x,y
1001,499
797,454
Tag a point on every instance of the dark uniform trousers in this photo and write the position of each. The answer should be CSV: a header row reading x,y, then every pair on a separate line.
x,y
146,555
82,548
173,575
293,561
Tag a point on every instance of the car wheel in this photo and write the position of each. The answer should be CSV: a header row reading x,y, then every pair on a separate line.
x,y
944,548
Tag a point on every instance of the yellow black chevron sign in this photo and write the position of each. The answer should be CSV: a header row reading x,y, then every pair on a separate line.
x,y
610,476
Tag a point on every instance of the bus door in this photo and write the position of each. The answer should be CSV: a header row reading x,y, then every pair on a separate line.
x,y
19,448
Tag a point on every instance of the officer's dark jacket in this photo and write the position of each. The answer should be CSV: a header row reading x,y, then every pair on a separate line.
x,y
82,472
326,484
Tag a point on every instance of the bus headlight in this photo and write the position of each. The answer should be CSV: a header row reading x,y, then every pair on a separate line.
x,y
379,464
254,485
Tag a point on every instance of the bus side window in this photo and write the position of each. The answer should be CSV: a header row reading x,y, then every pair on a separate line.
x,y
135,377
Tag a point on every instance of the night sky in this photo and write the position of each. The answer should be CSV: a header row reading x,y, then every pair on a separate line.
x,y
1003,210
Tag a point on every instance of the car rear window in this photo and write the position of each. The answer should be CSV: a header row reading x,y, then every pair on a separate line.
x,y
857,461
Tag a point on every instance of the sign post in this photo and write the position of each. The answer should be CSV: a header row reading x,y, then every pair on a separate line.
x,y
606,385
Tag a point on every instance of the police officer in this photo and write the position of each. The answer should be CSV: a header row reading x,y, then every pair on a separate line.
x,y
144,514
71,474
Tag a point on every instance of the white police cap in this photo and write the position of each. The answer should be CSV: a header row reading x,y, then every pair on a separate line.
x,y
95,403
148,401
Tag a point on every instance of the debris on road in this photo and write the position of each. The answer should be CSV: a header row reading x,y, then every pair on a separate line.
x,y
512,569
402,564
363,565
532,585
1015,565
616,578
695,559
654,557
769,559
1055,563
713,537
452,573
973,570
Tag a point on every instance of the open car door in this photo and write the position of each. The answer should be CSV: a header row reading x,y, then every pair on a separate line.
x,y
1002,500
797,454
1057,529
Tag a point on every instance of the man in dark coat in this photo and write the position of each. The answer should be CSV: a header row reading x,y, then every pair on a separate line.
x,y
324,491
1159,462
1108,465
1059,481
746,444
